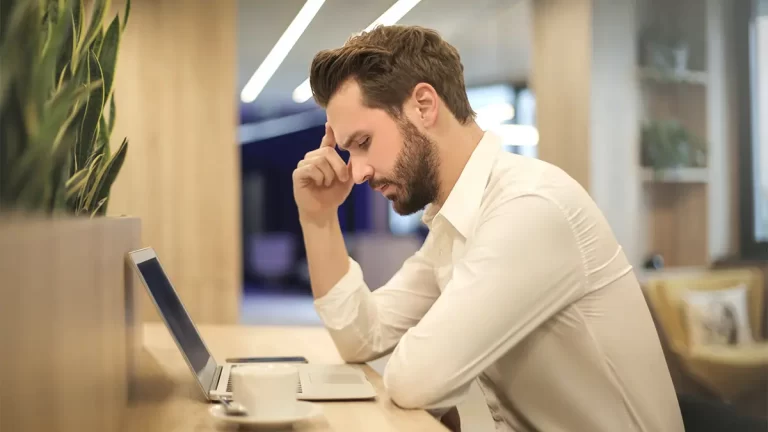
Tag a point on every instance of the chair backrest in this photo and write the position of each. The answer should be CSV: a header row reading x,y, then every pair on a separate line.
x,y
665,296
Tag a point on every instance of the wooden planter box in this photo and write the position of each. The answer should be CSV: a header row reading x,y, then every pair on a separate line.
x,y
69,334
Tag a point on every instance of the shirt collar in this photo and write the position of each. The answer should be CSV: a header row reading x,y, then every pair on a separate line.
x,y
463,202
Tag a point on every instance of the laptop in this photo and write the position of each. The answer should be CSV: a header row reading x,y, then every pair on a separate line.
x,y
316,382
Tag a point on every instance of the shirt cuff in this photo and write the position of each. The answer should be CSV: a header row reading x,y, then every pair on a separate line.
x,y
337,308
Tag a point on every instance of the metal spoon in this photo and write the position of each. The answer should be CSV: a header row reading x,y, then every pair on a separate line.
x,y
233,408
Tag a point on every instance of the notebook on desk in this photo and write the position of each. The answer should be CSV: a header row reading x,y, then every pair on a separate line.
x,y
316,382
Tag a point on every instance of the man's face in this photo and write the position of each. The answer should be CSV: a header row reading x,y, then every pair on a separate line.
x,y
392,155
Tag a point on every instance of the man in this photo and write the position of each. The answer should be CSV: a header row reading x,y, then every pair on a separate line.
x,y
520,284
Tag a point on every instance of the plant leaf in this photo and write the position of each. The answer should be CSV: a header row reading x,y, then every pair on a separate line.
x,y
101,208
127,12
112,115
78,24
108,54
76,183
65,52
61,116
47,71
108,174
90,122
94,170
58,180
102,139
97,42
97,17
24,174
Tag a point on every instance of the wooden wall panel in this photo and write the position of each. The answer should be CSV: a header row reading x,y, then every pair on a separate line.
x,y
678,223
560,77
177,103
67,323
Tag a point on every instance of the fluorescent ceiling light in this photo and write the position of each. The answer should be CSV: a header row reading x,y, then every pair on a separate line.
x,y
281,49
397,11
303,92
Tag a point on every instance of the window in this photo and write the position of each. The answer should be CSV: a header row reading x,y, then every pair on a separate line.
x,y
753,168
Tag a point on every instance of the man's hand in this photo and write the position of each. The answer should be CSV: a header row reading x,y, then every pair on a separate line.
x,y
451,420
321,181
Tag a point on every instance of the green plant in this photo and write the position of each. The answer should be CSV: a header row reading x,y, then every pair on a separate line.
x,y
57,106
667,144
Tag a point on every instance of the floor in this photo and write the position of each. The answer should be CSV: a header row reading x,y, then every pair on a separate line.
x,y
293,308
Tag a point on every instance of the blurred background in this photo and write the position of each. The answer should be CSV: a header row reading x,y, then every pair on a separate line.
x,y
281,125
658,107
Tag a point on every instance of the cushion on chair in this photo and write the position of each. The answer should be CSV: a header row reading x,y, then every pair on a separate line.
x,y
717,317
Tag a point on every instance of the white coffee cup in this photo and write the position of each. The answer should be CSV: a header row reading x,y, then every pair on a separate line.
x,y
266,390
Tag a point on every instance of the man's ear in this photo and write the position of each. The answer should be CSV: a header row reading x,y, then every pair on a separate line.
x,y
426,102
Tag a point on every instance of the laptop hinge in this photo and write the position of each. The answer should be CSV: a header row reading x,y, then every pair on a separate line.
x,y
215,383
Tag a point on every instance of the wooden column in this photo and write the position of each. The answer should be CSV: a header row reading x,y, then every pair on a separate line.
x,y
176,102
586,98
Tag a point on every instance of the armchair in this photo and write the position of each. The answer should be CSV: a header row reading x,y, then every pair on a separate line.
x,y
730,371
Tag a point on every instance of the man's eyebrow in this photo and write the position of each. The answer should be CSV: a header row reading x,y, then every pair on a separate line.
x,y
348,143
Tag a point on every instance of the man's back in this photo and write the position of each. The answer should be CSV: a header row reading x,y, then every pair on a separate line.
x,y
597,364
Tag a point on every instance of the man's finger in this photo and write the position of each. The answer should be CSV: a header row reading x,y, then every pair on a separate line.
x,y
328,140
310,174
338,165
325,166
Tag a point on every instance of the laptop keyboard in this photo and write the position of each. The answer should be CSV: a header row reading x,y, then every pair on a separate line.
x,y
229,385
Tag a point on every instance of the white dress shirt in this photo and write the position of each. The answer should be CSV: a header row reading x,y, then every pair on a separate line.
x,y
521,286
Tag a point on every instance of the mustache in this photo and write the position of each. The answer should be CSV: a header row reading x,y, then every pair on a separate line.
x,y
377,183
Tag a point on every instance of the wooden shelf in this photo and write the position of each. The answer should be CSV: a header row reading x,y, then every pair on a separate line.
x,y
686,77
676,175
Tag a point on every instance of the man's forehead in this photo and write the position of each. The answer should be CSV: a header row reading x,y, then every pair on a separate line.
x,y
347,116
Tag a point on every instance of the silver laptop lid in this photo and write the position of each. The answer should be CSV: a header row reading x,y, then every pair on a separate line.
x,y
176,318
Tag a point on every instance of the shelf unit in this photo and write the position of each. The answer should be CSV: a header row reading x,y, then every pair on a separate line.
x,y
685,209
676,175
683,77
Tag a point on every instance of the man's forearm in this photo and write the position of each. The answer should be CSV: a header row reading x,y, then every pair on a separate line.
x,y
327,254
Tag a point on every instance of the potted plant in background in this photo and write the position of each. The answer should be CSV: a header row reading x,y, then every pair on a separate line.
x,y
66,296
666,52
667,145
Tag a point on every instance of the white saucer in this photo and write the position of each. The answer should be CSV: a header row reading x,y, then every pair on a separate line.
x,y
304,410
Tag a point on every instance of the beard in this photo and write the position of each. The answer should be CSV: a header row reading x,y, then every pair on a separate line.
x,y
416,172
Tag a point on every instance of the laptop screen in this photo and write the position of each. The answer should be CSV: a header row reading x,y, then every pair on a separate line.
x,y
178,320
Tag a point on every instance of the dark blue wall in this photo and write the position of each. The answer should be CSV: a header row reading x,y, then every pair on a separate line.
x,y
275,159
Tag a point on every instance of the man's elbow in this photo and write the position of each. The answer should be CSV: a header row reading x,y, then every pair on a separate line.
x,y
413,390
356,356
357,353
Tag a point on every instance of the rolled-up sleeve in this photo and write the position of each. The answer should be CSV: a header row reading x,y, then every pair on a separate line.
x,y
521,267
365,325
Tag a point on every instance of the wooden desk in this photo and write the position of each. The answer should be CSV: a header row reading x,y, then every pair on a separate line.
x,y
166,397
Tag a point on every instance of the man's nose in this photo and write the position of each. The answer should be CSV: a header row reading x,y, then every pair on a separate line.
x,y
361,172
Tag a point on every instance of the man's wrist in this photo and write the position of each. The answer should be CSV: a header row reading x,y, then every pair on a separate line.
x,y
318,220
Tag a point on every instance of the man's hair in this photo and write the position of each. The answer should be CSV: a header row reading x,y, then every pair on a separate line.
x,y
387,63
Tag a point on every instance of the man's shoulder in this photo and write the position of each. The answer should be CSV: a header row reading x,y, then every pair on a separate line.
x,y
521,175
514,176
